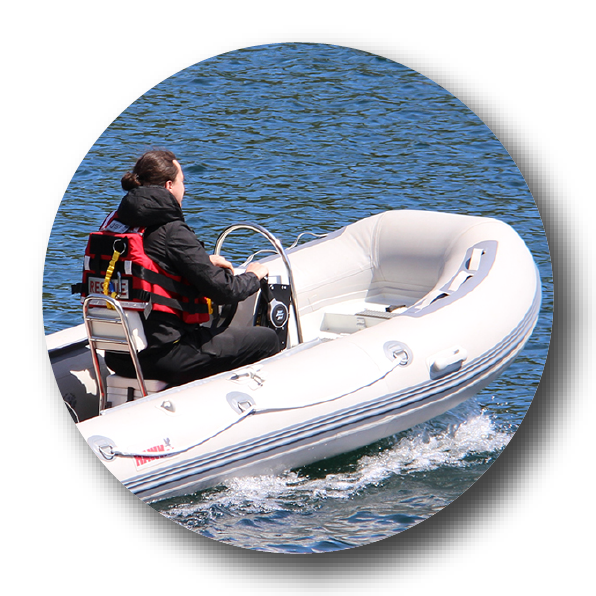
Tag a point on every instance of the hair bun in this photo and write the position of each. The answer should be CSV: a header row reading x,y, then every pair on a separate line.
x,y
153,168
130,180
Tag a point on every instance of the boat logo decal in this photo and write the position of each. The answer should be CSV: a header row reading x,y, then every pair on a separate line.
x,y
161,448
278,313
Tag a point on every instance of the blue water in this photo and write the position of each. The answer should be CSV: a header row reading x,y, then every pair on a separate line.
x,y
312,137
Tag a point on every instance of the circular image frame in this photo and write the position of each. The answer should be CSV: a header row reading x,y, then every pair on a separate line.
x,y
532,152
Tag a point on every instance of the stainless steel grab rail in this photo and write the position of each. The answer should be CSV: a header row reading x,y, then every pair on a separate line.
x,y
121,320
282,253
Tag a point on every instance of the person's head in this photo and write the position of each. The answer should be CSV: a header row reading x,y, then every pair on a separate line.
x,y
156,168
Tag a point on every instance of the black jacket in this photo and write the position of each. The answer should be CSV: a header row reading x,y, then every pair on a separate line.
x,y
174,246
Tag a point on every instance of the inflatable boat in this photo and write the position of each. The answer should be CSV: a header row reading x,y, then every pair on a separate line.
x,y
386,323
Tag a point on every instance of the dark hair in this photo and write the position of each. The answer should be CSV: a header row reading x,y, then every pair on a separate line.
x,y
154,168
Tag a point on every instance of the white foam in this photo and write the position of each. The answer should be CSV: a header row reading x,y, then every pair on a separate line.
x,y
444,442
423,450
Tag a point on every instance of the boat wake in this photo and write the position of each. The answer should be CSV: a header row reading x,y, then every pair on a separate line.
x,y
461,438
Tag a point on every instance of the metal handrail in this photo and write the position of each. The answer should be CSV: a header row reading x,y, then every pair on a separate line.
x,y
108,300
282,253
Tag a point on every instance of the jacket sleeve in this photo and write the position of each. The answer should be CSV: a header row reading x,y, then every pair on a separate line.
x,y
189,259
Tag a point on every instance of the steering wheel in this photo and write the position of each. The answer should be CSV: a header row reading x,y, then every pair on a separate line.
x,y
226,313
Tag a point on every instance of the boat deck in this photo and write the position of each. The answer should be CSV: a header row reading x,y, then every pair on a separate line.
x,y
345,318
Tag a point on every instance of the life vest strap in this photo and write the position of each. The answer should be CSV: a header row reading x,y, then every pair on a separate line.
x,y
108,277
167,283
190,308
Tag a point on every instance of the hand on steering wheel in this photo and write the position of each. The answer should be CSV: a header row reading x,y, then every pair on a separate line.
x,y
222,262
258,269
223,314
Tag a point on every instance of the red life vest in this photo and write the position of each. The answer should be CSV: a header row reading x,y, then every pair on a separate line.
x,y
136,281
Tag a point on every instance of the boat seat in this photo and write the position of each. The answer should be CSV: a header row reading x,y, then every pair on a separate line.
x,y
342,323
109,327
123,389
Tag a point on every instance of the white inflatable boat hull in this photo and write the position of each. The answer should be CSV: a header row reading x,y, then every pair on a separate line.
x,y
404,315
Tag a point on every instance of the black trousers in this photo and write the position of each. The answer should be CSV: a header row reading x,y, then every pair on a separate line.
x,y
199,354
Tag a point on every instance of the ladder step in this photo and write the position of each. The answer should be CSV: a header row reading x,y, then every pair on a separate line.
x,y
104,319
109,340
